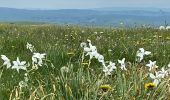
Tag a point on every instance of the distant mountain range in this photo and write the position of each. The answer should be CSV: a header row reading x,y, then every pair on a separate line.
x,y
99,16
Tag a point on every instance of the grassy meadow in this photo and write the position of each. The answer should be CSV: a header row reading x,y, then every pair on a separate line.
x,y
65,76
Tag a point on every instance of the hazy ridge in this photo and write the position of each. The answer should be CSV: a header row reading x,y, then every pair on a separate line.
x,y
99,16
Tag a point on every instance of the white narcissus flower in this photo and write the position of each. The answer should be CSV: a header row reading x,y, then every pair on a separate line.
x,y
87,49
95,54
156,78
91,48
30,47
92,51
83,45
163,73
6,61
151,65
100,58
108,69
122,64
111,65
141,53
19,65
37,58
92,54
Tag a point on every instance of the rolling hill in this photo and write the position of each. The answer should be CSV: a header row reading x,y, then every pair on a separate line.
x,y
98,16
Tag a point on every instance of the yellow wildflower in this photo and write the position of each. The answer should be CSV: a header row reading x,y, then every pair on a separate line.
x,y
150,85
105,87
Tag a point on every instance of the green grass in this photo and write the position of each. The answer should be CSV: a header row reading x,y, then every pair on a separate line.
x,y
81,82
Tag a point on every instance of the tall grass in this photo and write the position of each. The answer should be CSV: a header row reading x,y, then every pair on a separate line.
x,y
81,82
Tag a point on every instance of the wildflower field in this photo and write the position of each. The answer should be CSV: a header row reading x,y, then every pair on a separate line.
x,y
52,62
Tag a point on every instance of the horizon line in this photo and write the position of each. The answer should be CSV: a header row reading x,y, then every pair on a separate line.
x,y
85,8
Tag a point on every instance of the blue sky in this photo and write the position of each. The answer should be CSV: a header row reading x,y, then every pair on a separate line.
x,y
82,4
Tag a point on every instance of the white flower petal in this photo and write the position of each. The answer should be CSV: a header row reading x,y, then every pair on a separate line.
x,y
141,50
23,63
119,61
86,49
156,82
123,60
152,76
147,52
3,57
169,65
